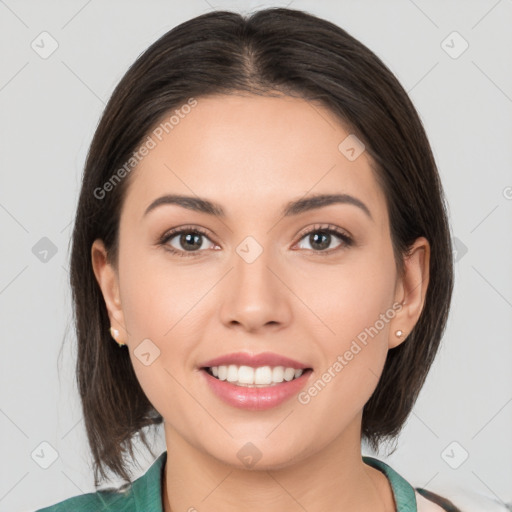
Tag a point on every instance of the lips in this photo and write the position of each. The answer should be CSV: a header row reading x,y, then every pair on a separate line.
x,y
255,397
254,360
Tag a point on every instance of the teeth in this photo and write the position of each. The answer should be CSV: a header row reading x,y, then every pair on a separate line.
x,y
261,376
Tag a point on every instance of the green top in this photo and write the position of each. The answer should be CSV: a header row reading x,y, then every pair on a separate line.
x,y
145,493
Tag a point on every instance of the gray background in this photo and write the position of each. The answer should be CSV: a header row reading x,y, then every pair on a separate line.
x,y
49,110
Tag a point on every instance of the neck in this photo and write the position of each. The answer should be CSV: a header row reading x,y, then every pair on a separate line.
x,y
335,479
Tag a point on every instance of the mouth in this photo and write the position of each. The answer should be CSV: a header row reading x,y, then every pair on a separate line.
x,y
255,377
255,382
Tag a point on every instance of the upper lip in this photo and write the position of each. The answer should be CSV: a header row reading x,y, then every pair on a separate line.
x,y
254,360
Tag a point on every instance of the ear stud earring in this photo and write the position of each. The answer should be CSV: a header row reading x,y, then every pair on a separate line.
x,y
115,333
399,333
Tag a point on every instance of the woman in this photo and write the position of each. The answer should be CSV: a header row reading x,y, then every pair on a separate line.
x,y
262,230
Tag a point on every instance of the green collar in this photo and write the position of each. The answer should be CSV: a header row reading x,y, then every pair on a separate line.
x,y
145,493
403,491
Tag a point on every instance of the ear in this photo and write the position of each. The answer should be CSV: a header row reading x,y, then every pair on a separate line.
x,y
411,290
108,280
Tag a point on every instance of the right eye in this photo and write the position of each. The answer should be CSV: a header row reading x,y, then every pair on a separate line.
x,y
187,237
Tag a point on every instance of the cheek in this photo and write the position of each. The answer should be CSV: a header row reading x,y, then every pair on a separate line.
x,y
158,317
355,307
352,296
364,298
154,296
161,307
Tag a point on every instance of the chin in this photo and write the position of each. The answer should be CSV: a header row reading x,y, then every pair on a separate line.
x,y
260,456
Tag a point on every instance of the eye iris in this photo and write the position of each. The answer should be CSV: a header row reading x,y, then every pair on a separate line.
x,y
184,239
314,239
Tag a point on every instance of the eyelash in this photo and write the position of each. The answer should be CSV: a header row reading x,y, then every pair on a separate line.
x,y
347,241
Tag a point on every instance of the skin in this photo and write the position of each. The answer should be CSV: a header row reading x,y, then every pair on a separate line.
x,y
252,155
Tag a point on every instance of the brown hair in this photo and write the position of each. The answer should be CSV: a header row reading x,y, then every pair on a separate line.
x,y
271,51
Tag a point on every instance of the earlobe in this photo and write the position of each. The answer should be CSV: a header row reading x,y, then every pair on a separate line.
x,y
411,291
107,278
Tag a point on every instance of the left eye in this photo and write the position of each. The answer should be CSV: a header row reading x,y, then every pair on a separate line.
x,y
320,239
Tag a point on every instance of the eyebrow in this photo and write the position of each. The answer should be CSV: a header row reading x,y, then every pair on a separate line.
x,y
296,207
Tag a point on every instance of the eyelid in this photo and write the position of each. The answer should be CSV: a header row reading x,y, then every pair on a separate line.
x,y
186,228
330,228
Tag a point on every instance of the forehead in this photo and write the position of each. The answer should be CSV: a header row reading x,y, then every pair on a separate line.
x,y
251,150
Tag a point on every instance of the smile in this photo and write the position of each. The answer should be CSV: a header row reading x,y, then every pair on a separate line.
x,y
255,389
254,377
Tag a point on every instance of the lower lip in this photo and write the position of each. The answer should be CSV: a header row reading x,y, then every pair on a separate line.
x,y
255,399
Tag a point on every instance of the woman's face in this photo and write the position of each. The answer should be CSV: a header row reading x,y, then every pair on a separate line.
x,y
263,277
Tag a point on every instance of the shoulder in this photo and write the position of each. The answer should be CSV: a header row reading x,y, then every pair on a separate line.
x,y
117,501
143,494
425,505
457,499
451,498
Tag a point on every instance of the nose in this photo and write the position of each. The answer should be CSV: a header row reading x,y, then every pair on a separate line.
x,y
256,295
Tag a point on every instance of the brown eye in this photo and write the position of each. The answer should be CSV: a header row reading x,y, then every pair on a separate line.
x,y
320,238
184,241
